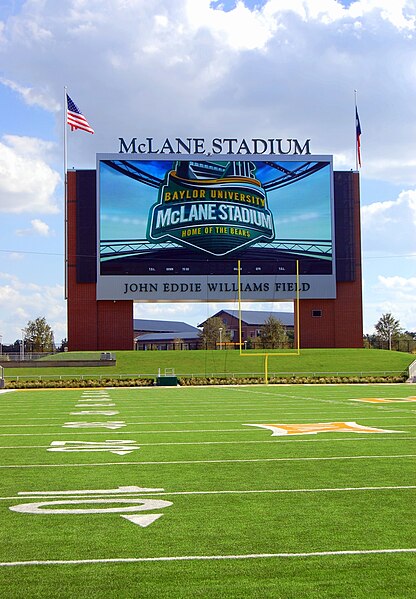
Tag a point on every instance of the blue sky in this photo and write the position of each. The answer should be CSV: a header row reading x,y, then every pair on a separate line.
x,y
157,68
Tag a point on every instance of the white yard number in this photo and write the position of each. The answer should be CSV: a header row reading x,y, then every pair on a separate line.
x,y
110,424
94,412
129,506
119,447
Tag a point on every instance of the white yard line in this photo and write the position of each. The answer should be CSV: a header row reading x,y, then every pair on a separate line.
x,y
295,402
68,495
155,416
208,413
177,558
274,440
324,490
236,461
314,440
269,418
280,421
154,432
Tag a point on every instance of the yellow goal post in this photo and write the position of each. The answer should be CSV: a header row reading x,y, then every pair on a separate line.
x,y
240,328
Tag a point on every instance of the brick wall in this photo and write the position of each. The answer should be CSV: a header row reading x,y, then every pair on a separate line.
x,y
92,324
341,323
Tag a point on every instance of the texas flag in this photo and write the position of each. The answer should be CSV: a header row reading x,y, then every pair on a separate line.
x,y
358,136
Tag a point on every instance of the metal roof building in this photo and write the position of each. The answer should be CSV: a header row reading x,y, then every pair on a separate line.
x,y
257,317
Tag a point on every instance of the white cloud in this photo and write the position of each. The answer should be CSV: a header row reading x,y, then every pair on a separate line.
x,y
23,301
27,182
390,293
391,168
33,97
280,68
398,297
390,225
240,28
287,67
30,147
402,283
397,13
38,227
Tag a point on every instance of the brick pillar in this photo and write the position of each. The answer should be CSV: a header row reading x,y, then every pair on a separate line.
x,y
92,325
341,321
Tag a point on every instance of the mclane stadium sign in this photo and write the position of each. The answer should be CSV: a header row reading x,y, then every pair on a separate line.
x,y
225,146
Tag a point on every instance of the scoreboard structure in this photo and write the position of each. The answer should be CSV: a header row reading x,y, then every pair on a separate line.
x,y
169,229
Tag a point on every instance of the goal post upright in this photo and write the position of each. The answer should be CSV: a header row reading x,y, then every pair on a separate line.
x,y
239,306
297,309
240,328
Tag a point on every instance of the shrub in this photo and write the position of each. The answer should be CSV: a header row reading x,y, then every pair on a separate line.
x,y
193,380
78,384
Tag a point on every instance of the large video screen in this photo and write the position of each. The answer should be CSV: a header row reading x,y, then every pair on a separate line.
x,y
175,230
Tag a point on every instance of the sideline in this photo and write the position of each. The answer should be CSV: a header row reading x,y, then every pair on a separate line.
x,y
70,495
230,386
178,558
314,440
236,461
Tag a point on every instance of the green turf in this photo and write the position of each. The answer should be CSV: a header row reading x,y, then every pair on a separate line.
x,y
235,491
311,361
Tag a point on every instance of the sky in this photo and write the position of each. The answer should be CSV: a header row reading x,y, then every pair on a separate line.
x,y
229,68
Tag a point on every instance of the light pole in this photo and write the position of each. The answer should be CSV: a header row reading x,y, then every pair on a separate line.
x,y
22,347
1,345
220,330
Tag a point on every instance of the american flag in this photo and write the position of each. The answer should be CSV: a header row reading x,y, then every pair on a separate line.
x,y
75,118
358,135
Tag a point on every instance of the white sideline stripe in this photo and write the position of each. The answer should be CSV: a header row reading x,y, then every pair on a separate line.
x,y
378,437
207,430
198,409
58,432
275,418
187,406
177,558
166,432
377,417
115,432
250,491
334,395
57,494
355,457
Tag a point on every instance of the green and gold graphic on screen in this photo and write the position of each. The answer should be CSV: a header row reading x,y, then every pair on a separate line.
x,y
216,207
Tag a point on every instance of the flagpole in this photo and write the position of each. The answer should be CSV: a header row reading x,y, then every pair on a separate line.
x,y
355,129
66,190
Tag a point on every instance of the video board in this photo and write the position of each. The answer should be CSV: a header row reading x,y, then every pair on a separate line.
x,y
174,230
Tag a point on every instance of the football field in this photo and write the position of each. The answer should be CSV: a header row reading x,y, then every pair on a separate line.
x,y
282,491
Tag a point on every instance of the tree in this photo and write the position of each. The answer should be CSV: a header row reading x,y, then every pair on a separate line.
x,y
39,335
407,341
214,333
273,333
388,328
63,346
